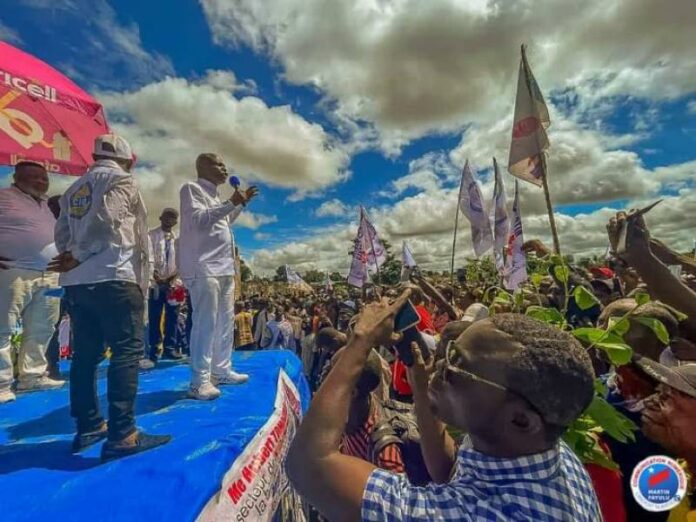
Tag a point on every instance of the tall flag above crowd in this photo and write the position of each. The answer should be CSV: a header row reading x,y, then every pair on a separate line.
x,y
501,223
329,284
529,139
515,272
472,206
408,263
368,252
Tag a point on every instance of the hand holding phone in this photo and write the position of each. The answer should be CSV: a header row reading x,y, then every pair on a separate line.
x,y
405,323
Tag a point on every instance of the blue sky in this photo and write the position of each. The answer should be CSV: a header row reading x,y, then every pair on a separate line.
x,y
357,103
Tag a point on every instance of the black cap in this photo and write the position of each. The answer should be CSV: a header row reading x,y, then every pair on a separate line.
x,y
681,378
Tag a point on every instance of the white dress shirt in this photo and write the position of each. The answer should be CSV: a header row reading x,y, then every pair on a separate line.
x,y
206,247
103,223
163,252
26,230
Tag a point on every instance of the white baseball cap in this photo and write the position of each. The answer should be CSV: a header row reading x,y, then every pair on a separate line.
x,y
112,146
475,312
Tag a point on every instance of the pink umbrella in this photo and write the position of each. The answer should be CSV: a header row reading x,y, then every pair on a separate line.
x,y
44,116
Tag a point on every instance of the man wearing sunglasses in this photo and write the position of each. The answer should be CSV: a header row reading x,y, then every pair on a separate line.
x,y
513,384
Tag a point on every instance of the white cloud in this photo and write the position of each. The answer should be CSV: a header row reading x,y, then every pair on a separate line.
x,y
254,221
9,35
692,107
412,66
171,121
332,208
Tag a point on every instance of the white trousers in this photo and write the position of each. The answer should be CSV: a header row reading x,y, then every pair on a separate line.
x,y
212,330
23,297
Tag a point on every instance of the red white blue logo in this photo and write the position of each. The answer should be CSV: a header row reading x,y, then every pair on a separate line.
x,y
658,483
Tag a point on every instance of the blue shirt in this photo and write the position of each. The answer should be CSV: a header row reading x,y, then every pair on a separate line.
x,y
549,486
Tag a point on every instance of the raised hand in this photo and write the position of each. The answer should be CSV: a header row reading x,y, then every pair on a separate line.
x,y
376,322
62,263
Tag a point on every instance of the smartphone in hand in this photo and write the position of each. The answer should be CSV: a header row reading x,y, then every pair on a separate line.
x,y
405,323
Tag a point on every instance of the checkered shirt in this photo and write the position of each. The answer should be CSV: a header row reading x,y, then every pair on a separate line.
x,y
549,486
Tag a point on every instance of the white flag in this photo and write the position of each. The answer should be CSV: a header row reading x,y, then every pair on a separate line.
x,y
529,139
407,257
408,263
501,223
329,283
471,205
516,262
368,252
293,277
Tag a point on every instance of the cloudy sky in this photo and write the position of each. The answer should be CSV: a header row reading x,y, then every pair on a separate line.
x,y
332,105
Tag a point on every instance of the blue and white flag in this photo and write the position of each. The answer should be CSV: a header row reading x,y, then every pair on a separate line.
x,y
501,222
368,252
471,205
516,263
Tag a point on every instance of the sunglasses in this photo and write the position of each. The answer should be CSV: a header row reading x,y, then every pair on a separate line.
x,y
449,368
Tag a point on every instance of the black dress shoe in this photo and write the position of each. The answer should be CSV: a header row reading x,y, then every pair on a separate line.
x,y
117,450
90,438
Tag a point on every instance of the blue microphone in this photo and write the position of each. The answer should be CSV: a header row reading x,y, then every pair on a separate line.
x,y
234,181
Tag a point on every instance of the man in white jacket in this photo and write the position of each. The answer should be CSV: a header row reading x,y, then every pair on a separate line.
x,y
206,265
101,237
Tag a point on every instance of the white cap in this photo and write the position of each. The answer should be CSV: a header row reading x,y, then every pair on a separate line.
x,y
475,312
112,146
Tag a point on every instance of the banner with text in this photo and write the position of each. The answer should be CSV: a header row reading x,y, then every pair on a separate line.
x,y
256,482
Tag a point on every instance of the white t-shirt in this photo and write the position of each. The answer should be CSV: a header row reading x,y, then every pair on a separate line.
x,y
26,230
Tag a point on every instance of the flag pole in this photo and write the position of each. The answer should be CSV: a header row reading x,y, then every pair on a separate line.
x,y
454,238
542,157
549,207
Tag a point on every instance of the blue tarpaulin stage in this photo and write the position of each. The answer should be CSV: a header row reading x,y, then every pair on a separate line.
x,y
41,480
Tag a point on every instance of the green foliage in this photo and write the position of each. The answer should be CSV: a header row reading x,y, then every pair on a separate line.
x,y
390,271
280,274
547,315
481,272
314,276
246,273
336,277
656,326
584,298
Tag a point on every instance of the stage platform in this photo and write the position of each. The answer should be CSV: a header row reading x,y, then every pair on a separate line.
x,y
41,480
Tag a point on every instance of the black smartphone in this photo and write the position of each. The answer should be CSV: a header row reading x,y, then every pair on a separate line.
x,y
406,317
405,322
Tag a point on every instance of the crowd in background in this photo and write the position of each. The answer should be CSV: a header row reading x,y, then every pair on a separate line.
x,y
472,428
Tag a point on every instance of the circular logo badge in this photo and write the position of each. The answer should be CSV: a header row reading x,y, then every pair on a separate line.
x,y
658,483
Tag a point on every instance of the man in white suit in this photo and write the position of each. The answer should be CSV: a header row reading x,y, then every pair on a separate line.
x,y
206,258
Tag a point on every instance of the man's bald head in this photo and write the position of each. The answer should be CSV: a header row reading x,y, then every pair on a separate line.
x,y
210,166
31,178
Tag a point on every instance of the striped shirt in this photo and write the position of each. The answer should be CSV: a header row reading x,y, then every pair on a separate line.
x,y
359,445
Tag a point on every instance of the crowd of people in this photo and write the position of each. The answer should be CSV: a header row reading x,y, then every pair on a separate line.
x,y
470,428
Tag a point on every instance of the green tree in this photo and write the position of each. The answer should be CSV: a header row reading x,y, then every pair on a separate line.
x,y
335,277
314,276
281,274
246,273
